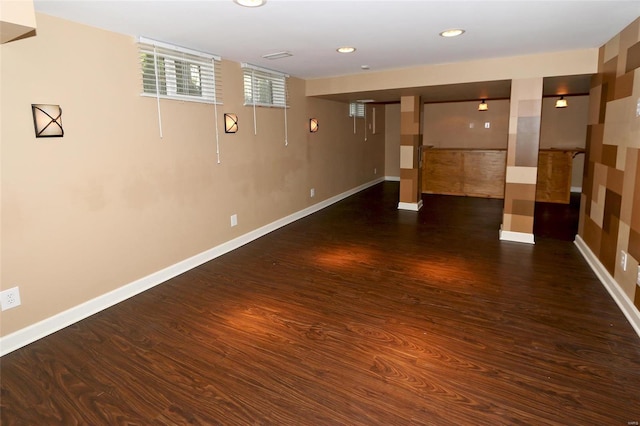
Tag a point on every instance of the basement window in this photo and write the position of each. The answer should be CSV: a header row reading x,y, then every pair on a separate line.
x,y
356,109
174,72
263,87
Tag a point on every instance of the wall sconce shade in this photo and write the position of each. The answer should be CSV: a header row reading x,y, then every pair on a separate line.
x,y
47,120
483,106
313,125
561,103
230,123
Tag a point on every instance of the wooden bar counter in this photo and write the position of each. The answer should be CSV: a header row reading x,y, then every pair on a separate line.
x,y
481,172
469,172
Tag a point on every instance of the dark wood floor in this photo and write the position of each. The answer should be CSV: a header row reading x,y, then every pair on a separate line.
x,y
357,315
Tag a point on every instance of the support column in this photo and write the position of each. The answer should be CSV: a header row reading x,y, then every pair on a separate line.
x,y
522,160
410,141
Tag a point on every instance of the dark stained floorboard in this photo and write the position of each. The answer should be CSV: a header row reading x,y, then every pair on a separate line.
x,y
357,315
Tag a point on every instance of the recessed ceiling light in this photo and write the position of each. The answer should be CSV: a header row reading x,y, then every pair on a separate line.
x,y
364,67
346,49
452,33
250,3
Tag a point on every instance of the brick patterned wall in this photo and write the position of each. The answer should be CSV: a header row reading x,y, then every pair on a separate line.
x,y
522,155
409,149
610,208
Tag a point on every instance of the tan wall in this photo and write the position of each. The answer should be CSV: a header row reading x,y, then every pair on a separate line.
x,y
392,140
461,125
112,202
17,20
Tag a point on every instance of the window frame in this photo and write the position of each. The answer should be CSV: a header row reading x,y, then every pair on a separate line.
x,y
161,75
277,90
357,109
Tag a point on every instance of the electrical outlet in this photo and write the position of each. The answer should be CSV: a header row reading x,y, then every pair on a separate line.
x,y
9,298
375,170
312,192
623,260
234,219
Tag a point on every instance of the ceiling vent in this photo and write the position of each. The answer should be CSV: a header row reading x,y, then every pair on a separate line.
x,y
277,55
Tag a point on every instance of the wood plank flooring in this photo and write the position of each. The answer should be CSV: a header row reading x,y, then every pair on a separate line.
x,y
357,315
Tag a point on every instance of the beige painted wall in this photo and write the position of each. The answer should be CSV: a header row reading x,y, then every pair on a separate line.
x,y
17,19
112,202
392,141
461,125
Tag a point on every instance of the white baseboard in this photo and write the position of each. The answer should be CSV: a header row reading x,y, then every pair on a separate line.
x,y
410,206
619,296
518,237
30,334
392,178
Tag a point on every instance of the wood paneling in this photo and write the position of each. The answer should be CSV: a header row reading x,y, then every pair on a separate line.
x,y
476,173
443,172
481,173
484,173
554,175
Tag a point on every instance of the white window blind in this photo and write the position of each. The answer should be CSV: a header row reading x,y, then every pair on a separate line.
x,y
263,87
356,109
175,72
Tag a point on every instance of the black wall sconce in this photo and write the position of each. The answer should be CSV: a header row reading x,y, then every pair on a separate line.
x,y
313,125
483,106
230,123
47,120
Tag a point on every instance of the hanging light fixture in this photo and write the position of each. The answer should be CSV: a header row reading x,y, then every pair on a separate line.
x,y
561,103
483,106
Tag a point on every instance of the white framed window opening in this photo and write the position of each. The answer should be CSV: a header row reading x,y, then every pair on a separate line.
x,y
356,109
175,72
179,73
265,88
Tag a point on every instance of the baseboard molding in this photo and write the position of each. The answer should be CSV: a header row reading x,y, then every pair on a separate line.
x,y
576,189
30,334
410,206
392,178
620,297
518,237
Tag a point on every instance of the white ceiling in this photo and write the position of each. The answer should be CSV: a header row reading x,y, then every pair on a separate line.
x,y
387,34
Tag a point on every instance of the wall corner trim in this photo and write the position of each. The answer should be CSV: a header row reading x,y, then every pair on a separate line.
x,y
622,300
518,237
414,207
31,333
